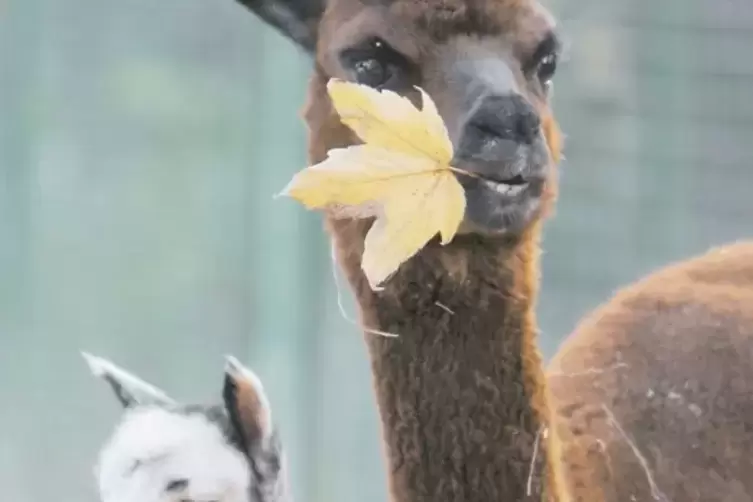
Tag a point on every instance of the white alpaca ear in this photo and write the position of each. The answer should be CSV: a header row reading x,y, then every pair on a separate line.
x,y
246,403
129,389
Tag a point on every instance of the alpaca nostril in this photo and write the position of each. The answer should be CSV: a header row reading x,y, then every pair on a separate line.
x,y
527,127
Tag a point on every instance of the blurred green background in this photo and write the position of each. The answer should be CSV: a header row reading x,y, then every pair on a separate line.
x,y
141,143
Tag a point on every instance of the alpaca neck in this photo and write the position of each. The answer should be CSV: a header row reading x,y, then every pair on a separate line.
x,y
460,391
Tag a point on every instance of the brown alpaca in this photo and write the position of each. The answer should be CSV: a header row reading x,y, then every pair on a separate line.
x,y
641,412
460,392
665,412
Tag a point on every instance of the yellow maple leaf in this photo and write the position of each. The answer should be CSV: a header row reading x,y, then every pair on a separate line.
x,y
386,119
401,175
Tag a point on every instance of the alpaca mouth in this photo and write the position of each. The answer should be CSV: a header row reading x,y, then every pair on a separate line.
x,y
502,186
510,187
503,198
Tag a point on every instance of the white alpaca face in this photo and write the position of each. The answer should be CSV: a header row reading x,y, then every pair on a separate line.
x,y
162,451
156,455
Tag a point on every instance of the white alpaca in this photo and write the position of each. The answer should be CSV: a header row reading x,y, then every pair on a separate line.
x,y
163,451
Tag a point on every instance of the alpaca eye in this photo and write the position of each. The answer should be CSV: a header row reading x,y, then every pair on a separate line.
x,y
371,72
176,485
374,63
541,65
546,69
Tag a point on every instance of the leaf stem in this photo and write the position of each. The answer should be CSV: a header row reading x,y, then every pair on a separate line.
x,y
463,172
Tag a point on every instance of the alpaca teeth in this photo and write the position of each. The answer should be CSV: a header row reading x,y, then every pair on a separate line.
x,y
504,189
516,189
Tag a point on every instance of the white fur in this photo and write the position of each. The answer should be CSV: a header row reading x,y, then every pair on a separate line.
x,y
170,446
140,390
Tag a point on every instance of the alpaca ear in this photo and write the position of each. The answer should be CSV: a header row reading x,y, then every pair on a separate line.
x,y
247,404
298,20
128,388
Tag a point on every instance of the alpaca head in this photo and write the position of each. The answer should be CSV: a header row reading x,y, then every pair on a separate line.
x,y
487,64
163,451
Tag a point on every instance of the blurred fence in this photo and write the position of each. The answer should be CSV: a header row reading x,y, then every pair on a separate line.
x,y
140,145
